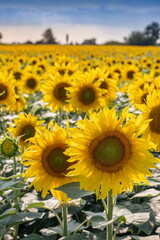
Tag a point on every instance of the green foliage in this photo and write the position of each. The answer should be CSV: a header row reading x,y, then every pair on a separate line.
x,y
73,190
149,37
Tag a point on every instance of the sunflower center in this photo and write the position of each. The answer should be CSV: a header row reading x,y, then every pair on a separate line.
x,y
28,131
104,85
130,74
57,160
155,123
17,75
61,71
3,92
109,151
87,96
60,92
31,83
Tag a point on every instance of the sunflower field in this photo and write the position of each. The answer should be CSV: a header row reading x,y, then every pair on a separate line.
x,y
79,142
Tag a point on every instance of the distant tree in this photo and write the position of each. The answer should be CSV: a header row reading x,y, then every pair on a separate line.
x,y
28,42
112,42
48,37
91,41
1,36
136,38
152,33
67,38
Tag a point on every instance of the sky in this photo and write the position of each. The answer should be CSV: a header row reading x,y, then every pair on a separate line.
x,y
105,20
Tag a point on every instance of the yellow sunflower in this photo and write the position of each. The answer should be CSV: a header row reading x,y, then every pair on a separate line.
x,y
86,95
130,72
55,93
110,85
151,110
20,104
139,95
109,152
47,162
25,127
17,73
31,82
7,93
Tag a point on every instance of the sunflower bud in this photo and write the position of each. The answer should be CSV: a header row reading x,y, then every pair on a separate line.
x,y
8,147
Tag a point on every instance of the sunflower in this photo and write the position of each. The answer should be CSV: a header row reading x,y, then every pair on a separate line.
x,y
64,65
151,110
110,85
24,127
86,95
139,95
130,72
109,152
117,69
17,73
31,82
20,104
7,93
55,93
47,162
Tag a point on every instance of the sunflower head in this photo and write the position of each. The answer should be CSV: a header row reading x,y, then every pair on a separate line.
x,y
25,128
48,163
55,92
3,91
7,93
31,82
8,147
109,152
85,94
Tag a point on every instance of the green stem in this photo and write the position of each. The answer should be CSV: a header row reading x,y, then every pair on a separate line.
x,y
58,218
15,197
14,166
60,117
105,207
65,222
117,228
110,215
86,220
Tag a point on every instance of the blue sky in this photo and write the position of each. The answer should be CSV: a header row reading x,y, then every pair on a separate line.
x,y
101,19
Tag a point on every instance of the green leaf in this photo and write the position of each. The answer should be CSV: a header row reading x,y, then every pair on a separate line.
x,y
18,218
73,190
7,213
147,193
11,177
97,218
36,205
153,237
137,218
2,229
76,236
95,214
11,185
120,219
99,222
121,211
33,236
73,225
87,235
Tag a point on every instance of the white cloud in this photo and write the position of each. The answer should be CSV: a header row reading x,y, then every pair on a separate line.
x,y
77,33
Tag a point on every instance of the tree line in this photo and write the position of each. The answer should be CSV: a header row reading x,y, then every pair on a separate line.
x,y
149,36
